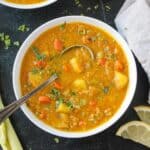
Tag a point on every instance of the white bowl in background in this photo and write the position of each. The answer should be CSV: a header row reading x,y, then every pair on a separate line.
x,y
132,75
27,6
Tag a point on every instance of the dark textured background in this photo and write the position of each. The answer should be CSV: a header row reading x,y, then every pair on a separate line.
x,y
32,138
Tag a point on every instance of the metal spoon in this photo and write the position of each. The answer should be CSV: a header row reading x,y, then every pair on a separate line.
x,y
78,46
11,108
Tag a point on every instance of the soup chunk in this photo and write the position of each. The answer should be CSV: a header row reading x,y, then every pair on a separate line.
x,y
88,92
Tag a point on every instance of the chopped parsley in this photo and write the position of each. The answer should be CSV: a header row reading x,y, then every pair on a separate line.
x,y
96,7
37,54
16,43
6,40
23,28
56,93
89,9
62,26
78,3
69,104
55,72
72,93
56,139
35,70
106,90
107,7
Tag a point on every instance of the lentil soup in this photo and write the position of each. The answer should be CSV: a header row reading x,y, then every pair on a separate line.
x,y
88,92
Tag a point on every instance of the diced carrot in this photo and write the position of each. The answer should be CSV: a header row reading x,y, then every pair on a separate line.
x,y
58,45
44,99
57,85
93,103
40,64
81,123
66,68
102,61
118,66
42,116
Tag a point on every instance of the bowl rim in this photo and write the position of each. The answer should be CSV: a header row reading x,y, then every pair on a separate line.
x,y
132,75
27,6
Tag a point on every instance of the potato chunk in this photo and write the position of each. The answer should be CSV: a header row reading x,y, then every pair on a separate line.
x,y
63,121
80,84
63,108
120,80
76,65
35,79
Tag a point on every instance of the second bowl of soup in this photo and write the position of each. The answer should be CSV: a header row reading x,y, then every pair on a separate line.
x,y
27,4
90,94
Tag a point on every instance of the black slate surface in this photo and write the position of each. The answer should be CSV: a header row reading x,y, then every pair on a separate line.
x,y
33,138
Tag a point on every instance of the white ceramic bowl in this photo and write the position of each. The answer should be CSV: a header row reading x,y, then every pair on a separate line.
x,y
28,6
132,75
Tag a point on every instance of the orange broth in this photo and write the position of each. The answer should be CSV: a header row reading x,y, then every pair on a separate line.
x,y
88,92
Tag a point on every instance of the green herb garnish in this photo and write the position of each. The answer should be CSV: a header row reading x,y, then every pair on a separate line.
x,y
59,101
35,70
56,93
23,28
69,104
5,39
55,72
56,139
106,90
89,9
96,7
72,93
16,43
108,8
37,54
62,26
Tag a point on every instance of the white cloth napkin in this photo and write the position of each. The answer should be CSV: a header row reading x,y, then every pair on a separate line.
x,y
133,22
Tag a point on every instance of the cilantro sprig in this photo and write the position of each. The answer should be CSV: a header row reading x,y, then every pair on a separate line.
x,y
37,53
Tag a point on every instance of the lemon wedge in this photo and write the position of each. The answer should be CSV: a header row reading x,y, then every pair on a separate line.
x,y
144,113
137,131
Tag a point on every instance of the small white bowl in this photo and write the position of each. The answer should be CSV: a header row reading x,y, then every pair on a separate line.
x,y
27,6
132,75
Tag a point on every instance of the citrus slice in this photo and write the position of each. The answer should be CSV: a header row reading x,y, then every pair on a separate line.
x,y
144,113
137,131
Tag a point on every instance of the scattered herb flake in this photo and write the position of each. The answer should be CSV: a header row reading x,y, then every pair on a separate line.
x,y
56,139
35,70
89,9
106,90
69,104
72,93
55,72
6,40
62,26
16,43
96,7
107,7
23,28
37,54
55,92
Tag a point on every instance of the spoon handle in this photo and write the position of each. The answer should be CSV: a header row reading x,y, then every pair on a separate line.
x,y
11,108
